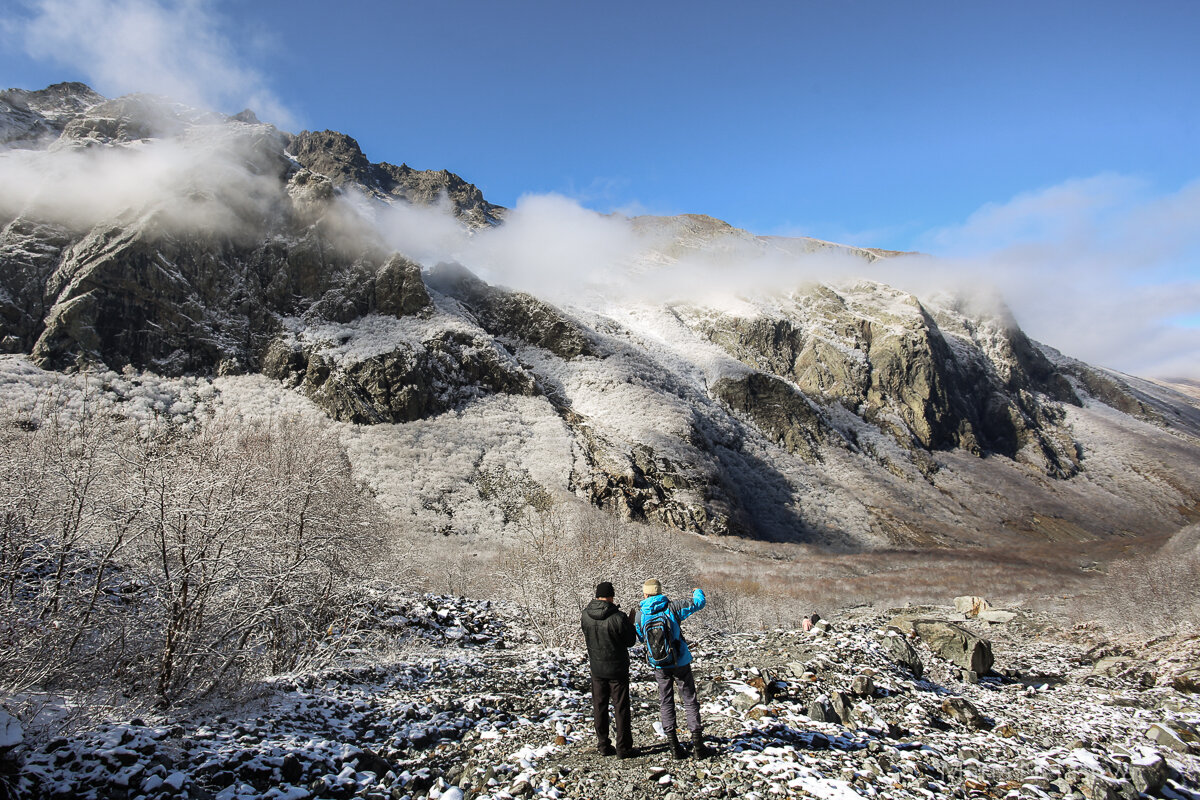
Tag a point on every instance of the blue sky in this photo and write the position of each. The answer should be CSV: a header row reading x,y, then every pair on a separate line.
x,y
955,128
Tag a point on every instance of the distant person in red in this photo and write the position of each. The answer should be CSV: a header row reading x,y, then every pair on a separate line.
x,y
609,635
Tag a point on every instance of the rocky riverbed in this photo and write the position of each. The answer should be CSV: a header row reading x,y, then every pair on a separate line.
x,y
472,707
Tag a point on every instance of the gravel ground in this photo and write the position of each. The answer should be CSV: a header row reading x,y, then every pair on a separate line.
x,y
477,710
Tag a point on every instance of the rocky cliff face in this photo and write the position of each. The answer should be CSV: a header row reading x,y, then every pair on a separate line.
x,y
845,413
32,119
338,157
983,388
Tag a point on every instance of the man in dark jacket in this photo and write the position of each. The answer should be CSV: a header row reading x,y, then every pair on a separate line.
x,y
676,669
609,635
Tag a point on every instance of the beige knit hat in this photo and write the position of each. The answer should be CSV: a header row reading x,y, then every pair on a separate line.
x,y
651,587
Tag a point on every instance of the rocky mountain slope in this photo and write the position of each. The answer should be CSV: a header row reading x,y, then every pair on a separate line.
x,y
841,412
852,708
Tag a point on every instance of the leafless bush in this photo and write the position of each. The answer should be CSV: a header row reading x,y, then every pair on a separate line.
x,y
551,570
174,562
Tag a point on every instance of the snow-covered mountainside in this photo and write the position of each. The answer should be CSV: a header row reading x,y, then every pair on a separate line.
x,y
854,708
841,412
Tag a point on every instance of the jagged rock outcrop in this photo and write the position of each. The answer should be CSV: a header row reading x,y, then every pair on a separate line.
x,y
399,289
145,295
641,484
340,158
783,414
32,119
131,118
411,383
881,353
516,316
197,278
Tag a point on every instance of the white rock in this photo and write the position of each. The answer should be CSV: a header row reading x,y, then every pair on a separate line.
x,y
970,605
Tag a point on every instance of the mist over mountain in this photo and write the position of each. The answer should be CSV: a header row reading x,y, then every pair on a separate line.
x,y
672,369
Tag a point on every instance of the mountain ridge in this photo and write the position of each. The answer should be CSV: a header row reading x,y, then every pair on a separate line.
x,y
841,412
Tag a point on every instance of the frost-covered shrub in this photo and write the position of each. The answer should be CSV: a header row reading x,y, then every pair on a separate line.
x,y
176,559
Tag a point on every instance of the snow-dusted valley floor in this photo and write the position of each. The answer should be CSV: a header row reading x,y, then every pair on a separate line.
x,y
472,707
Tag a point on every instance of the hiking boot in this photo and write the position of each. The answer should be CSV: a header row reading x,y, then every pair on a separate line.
x,y
605,749
676,748
699,749
632,752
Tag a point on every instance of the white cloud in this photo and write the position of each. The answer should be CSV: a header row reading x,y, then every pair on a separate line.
x,y
1101,268
202,182
176,49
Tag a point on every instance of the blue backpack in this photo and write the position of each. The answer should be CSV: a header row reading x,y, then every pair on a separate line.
x,y
662,637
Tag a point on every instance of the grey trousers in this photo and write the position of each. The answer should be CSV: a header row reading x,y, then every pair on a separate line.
x,y
666,680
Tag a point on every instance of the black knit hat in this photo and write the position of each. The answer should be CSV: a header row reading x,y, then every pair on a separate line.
x,y
605,589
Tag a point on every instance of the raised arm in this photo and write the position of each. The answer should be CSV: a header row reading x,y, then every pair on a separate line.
x,y
683,611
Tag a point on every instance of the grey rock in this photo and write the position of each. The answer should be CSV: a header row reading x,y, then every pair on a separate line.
x,y
399,290
408,383
964,712
784,415
903,653
1149,774
863,686
339,157
1097,787
745,700
514,315
820,712
956,644
1168,736
842,707
33,119
911,383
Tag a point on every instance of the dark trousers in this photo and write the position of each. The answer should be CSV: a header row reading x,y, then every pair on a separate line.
x,y
616,690
666,680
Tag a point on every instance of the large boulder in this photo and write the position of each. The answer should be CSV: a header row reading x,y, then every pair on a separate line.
x,y
956,644
1149,772
1173,736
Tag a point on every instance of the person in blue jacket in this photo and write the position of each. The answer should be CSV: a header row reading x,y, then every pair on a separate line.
x,y
657,611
